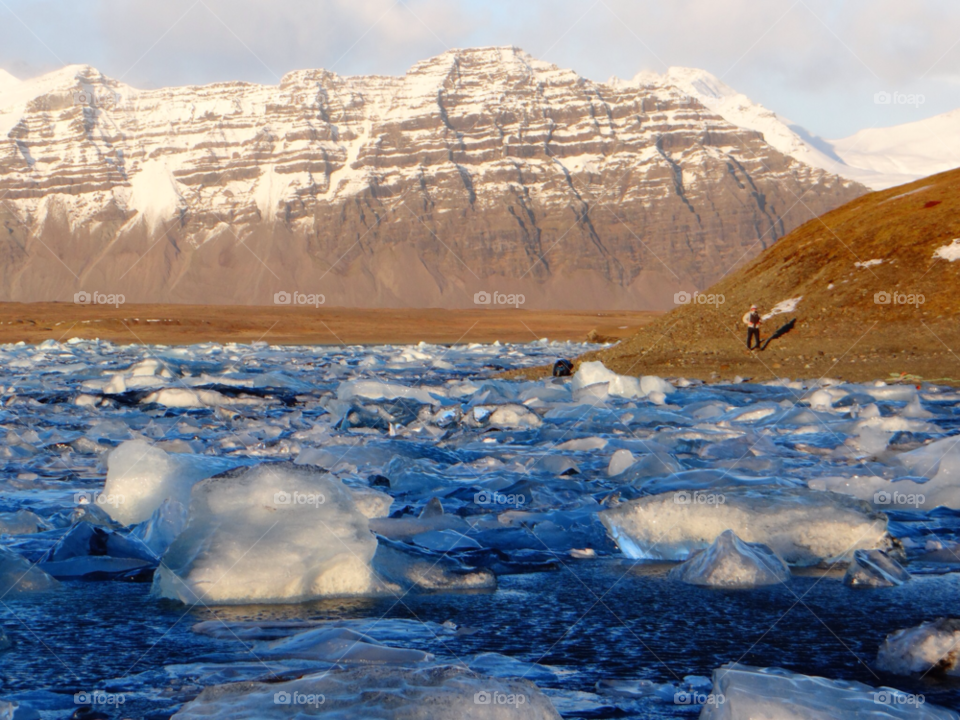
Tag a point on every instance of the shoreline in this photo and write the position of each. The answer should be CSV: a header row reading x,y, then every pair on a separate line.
x,y
172,324
914,353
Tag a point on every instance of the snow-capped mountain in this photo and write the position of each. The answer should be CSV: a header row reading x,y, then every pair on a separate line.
x,y
7,81
878,158
477,170
916,149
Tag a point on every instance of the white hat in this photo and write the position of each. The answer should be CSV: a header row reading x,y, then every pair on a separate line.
x,y
753,307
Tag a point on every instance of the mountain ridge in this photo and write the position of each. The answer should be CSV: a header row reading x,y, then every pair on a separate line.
x,y
478,170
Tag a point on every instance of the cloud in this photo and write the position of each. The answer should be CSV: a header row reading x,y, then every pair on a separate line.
x,y
816,61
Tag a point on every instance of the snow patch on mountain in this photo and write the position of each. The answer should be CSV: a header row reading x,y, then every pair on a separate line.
x,y
155,193
879,158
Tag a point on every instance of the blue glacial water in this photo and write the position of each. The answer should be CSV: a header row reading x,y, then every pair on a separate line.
x,y
601,634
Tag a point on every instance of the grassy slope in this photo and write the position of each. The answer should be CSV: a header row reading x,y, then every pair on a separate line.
x,y
840,332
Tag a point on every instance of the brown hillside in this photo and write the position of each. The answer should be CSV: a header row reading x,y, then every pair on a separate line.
x,y
840,330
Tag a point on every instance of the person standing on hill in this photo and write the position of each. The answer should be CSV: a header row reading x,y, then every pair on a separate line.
x,y
752,320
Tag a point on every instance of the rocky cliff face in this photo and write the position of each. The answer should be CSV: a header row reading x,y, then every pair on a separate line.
x,y
477,170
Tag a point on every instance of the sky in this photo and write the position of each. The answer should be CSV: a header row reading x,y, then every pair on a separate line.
x,y
819,63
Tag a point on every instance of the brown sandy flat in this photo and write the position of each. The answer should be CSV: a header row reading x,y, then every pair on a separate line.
x,y
188,324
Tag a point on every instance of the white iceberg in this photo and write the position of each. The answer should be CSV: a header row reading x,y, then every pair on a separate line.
x,y
379,390
186,398
874,568
510,416
21,522
402,568
271,533
140,477
620,461
161,529
732,563
933,645
625,386
19,577
802,526
380,692
741,692
370,502
338,645
939,462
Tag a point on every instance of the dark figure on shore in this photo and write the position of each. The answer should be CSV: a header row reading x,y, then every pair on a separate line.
x,y
752,320
562,368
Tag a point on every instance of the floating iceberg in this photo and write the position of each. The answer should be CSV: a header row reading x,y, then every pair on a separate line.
x,y
19,577
933,645
732,563
804,527
271,533
92,552
381,692
159,532
140,477
620,461
874,568
592,373
509,416
402,567
370,502
338,645
21,522
741,692
938,461
378,390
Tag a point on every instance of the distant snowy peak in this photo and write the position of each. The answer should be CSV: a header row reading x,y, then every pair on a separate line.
x,y
7,80
737,108
878,158
922,148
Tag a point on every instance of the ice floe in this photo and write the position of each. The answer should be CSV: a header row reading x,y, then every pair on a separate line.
x,y
732,563
449,692
741,691
439,477
804,527
874,568
931,647
272,533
